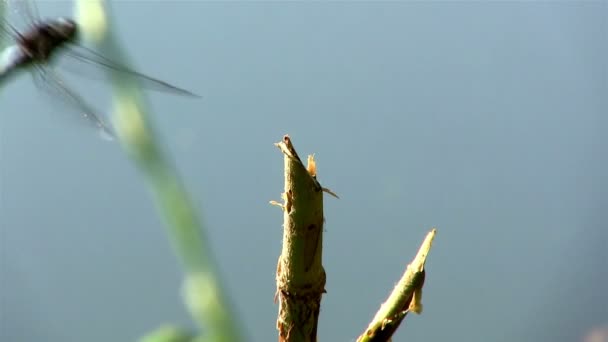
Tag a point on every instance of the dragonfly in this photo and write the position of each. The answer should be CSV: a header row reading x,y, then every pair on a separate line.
x,y
36,48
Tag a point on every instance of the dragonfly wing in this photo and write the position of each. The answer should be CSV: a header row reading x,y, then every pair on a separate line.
x,y
27,10
51,83
89,58
8,32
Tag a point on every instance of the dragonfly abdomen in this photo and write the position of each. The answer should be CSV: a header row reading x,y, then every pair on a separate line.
x,y
12,60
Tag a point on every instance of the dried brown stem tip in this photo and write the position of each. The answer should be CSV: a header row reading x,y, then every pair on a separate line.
x,y
300,274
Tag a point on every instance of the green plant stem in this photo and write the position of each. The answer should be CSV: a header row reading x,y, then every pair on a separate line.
x,y
300,274
405,297
203,292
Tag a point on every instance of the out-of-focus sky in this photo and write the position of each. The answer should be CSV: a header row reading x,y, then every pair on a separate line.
x,y
486,120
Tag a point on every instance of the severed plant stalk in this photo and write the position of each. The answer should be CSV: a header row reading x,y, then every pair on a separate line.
x,y
406,297
300,274
204,294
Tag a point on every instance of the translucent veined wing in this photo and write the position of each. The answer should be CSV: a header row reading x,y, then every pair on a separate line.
x,y
47,80
8,32
29,10
88,58
26,10
16,13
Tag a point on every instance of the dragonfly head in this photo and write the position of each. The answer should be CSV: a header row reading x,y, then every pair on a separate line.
x,y
63,29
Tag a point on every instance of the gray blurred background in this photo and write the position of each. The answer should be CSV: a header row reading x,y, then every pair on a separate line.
x,y
486,120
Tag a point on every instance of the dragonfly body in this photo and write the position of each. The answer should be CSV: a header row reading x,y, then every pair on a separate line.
x,y
37,47
39,44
